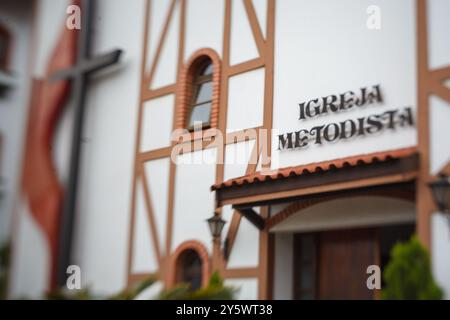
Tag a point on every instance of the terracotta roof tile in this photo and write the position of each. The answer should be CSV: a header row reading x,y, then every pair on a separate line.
x,y
365,159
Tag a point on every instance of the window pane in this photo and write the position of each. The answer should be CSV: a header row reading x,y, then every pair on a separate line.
x,y
208,70
307,277
307,248
204,93
200,113
191,270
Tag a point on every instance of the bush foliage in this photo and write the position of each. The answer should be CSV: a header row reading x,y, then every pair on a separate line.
x,y
215,290
408,275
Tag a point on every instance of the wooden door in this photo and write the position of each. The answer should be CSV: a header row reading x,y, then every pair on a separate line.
x,y
343,260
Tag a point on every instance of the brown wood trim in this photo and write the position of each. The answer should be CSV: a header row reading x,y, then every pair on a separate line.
x,y
161,41
441,74
137,142
151,216
156,93
155,154
222,116
256,29
263,198
253,217
424,201
172,168
266,259
269,82
240,273
440,90
245,66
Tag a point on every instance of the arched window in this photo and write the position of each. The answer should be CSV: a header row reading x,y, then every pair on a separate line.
x,y
198,91
200,109
190,269
190,264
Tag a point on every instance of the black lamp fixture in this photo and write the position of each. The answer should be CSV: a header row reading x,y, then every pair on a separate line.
x,y
215,224
440,189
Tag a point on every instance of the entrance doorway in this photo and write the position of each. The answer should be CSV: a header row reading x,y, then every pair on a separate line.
x,y
333,264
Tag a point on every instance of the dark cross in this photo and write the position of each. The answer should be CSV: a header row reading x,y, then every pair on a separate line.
x,y
6,82
79,75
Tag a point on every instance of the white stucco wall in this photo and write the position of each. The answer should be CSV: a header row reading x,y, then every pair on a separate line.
x,y
247,288
103,215
440,244
439,56
323,48
16,16
284,264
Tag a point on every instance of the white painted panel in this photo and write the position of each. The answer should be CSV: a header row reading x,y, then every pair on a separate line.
x,y
245,251
439,133
237,156
245,100
283,273
166,69
194,201
438,33
348,213
204,26
157,172
440,233
157,123
144,258
243,46
103,213
261,13
247,288
314,59
158,15
30,257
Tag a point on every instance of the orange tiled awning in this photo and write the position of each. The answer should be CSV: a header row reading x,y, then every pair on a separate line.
x,y
374,170
318,167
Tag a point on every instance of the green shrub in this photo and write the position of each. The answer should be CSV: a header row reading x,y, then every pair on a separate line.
x,y
408,274
215,290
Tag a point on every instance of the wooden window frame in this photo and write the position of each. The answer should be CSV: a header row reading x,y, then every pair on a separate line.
x,y
187,85
197,82
175,261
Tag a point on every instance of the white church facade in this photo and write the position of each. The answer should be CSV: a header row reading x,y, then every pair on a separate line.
x,y
312,128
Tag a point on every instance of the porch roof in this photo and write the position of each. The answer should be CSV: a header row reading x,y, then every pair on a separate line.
x,y
367,170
